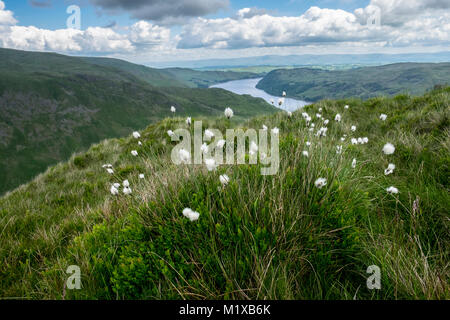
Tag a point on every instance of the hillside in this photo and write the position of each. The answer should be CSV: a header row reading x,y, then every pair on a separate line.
x,y
53,105
366,82
172,77
204,79
259,237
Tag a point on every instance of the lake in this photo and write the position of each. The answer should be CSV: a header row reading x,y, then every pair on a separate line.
x,y
248,86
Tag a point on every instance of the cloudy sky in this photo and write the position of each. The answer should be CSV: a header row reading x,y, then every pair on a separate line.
x,y
167,30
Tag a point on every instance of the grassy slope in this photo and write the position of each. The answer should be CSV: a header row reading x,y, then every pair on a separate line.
x,y
204,79
54,105
366,82
265,237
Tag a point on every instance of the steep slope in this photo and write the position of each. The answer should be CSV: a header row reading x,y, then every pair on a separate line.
x,y
259,237
366,82
53,105
154,77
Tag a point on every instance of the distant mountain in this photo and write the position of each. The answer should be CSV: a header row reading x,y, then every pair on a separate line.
x,y
53,105
308,59
366,82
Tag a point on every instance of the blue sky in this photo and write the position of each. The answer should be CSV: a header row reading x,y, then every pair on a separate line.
x,y
54,16
161,30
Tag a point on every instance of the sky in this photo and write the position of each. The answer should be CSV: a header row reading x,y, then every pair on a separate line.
x,y
145,31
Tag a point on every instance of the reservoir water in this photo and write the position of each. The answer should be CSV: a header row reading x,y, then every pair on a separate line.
x,y
248,86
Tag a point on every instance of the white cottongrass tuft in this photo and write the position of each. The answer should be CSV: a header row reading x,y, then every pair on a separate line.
x,y
220,143
210,164
392,190
224,179
325,122
342,139
320,109
114,191
110,171
108,165
185,156
354,163
289,114
312,125
365,140
308,120
188,121
346,107
284,94
136,135
134,153
126,183
116,185
383,117
338,149
127,190
139,143
353,128
318,116
354,141
275,130
322,132
173,109
305,153
308,143
264,127
337,118
228,113
191,214
388,148
253,148
390,169
321,182
141,176
204,148
208,134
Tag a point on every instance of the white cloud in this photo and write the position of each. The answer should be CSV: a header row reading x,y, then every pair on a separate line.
x,y
402,22
6,16
314,26
398,12
93,39
143,32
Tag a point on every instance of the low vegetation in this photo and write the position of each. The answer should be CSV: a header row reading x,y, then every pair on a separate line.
x,y
259,237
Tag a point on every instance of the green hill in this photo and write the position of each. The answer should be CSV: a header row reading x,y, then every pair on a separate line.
x,y
204,79
259,237
53,105
366,82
